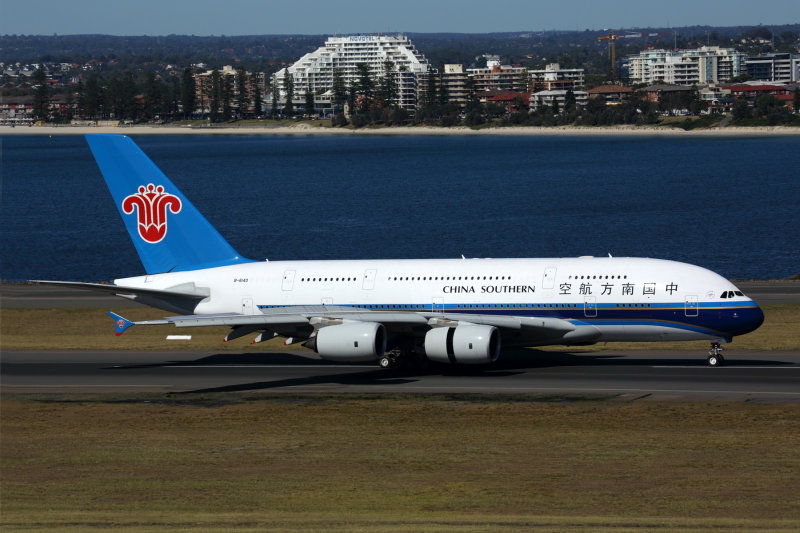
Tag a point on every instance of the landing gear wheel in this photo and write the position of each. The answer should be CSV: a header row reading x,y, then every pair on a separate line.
x,y
715,355
395,358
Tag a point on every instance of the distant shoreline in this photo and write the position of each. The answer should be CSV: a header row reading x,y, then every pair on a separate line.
x,y
306,129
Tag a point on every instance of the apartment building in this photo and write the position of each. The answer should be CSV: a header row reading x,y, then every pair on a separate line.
x,y
314,71
554,78
499,77
783,67
558,96
203,87
455,81
708,64
611,94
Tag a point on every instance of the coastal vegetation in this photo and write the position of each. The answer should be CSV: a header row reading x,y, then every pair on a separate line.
x,y
374,103
111,54
144,80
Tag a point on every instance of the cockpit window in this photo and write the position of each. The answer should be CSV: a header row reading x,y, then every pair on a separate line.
x,y
724,294
739,293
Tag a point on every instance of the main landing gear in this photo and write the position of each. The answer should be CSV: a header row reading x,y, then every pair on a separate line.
x,y
402,358
715,355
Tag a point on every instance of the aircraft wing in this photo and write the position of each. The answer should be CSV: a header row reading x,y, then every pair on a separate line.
x,y
534,330
297,315
182,298
302,320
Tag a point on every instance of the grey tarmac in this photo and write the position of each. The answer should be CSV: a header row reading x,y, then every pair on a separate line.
x,y
751,376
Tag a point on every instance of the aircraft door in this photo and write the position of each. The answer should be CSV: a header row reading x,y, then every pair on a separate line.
x,y
590,307
327,301
369,279
549,278
691,307
288,280
438,304
247,306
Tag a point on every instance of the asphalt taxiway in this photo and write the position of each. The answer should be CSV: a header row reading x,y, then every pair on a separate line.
x,y
756,376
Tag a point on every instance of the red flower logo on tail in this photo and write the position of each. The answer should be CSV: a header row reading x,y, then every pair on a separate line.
x,y
151,205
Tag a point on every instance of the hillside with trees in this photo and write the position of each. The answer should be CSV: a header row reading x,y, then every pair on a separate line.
x,y
153,79
572,49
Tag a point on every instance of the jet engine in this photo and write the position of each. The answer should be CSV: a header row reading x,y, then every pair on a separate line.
x,y
351,341
467,344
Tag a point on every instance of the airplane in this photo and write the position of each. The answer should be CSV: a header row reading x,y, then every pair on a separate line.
x,y
395,311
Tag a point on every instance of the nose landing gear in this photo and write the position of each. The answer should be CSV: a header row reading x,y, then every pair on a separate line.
x,y
715,355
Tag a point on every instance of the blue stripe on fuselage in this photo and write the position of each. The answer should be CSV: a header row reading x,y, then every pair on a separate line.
x,y
725,319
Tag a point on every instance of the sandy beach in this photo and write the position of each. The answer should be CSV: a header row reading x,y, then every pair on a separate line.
x,y
307,129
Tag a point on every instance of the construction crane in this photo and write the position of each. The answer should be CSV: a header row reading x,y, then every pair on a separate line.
x,y
612,37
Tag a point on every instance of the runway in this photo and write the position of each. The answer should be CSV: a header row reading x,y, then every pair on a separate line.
x,y
751,376
762,375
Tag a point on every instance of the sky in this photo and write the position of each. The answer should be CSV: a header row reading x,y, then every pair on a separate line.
x,y
313,17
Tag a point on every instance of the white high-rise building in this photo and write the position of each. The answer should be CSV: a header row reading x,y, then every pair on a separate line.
x,y
708,64
314,71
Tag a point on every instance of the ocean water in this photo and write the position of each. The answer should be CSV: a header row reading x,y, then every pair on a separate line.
x,y
730,205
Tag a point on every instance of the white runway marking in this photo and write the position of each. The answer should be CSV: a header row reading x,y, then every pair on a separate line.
x,y
86,386
264,366
789,367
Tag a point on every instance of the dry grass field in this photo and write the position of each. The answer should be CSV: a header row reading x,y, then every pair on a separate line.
x,y
382,463
255,462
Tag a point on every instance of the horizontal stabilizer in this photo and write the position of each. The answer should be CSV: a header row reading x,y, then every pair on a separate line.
x,y
121,323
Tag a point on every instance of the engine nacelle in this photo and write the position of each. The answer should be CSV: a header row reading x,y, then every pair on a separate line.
x,y
351,341
471,345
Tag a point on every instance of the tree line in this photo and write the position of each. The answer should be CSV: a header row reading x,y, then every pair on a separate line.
x,y
765,109
572,49
154,99
369,100
119,98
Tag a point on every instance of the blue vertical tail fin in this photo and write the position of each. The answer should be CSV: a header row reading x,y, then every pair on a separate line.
x,y
169,233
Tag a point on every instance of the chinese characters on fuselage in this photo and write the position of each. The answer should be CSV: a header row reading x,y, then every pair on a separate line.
x,y
606,289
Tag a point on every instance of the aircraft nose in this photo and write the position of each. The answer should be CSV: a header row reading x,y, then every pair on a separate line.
x,y
759,317
752,319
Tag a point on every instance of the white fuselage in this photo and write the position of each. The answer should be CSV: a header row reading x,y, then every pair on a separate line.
x,y
626,299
